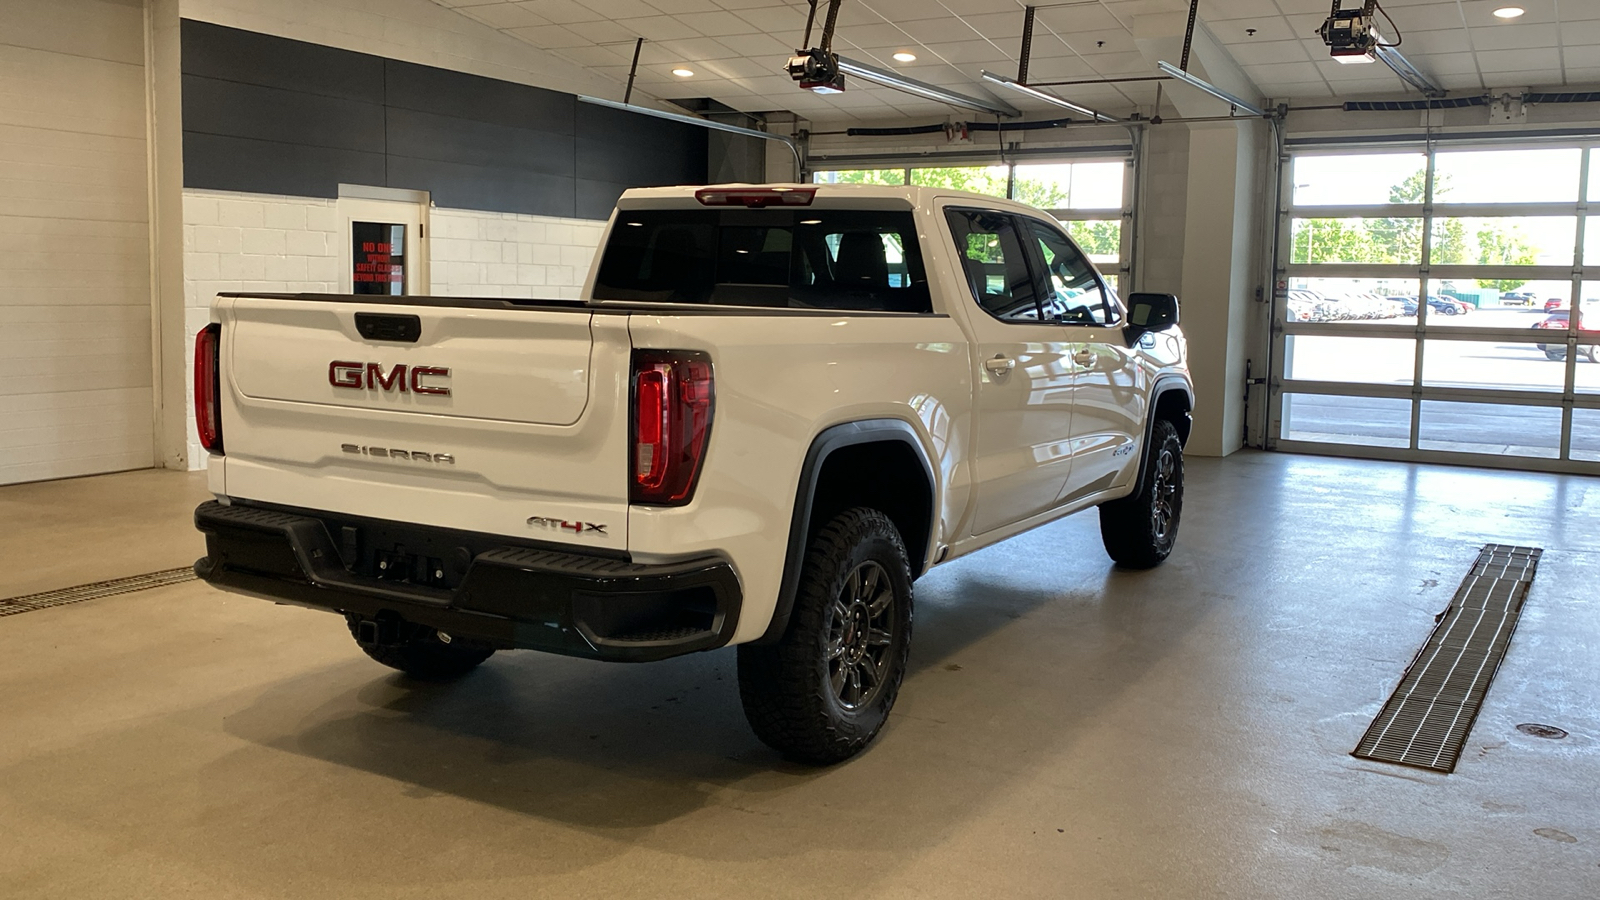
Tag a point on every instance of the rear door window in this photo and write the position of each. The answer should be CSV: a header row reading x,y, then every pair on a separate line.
x,y
792,258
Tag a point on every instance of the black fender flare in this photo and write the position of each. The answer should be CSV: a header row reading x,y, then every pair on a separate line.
x,y
830,440
1165,384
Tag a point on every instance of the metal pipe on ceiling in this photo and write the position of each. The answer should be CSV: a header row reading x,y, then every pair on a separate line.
x,y
687,119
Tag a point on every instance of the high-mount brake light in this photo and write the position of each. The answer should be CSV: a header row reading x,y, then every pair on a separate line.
x,y
208,387
673,392
756,198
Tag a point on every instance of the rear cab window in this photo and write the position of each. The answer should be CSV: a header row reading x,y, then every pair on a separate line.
x,y
808,258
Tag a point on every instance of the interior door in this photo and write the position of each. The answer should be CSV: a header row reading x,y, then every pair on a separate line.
x,y
384,251
1023,408
1107,389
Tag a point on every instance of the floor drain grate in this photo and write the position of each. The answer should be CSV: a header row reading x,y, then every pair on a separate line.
x,y
64,596
1426,721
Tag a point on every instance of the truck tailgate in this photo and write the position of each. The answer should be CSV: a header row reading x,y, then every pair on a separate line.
x,y
480,417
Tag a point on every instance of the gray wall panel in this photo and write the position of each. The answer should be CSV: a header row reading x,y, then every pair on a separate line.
x,y
272,115
269,167
459,186
250,111
463,96
449,139
230,54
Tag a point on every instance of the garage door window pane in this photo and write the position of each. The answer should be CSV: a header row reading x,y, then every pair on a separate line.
x,y
1586,434
1490,364
1335,419
1506,176
1532,431
989,180
860,176
1378,240
1348,301
1085,185
1101,239
1309,357
1504,241
1359,179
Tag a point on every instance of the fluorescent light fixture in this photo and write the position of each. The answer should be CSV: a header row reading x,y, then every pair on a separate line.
x,y
682,72
696,120
1509,12
903,56
1355,59
1046,96
1408,73
923,89
1210,88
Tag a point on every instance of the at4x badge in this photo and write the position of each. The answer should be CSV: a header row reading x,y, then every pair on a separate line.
x,y
564,525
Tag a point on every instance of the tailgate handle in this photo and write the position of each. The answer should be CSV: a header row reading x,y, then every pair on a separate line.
x,y
389,327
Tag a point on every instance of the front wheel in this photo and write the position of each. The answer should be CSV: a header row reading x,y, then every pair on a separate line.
x,y
1554,354
824,690
1139,530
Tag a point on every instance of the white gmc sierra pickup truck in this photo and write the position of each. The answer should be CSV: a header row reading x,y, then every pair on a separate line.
x,y
775,407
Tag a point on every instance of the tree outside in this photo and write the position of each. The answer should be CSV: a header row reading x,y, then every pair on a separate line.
x,y
1398,240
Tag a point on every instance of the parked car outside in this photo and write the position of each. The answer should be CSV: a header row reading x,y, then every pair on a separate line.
x,y
1560,320
1445,306
1554,303
1518,298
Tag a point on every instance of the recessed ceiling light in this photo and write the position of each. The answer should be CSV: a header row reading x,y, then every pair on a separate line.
x,y
682,72
903,56
1509,12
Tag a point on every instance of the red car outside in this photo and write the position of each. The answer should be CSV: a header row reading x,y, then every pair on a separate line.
x,y
1559,320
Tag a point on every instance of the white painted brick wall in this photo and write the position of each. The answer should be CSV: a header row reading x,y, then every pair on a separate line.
x,y
489,254
260,242
252,242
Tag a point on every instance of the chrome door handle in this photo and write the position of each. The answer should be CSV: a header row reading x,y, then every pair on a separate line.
x,y
1084,357
1000,365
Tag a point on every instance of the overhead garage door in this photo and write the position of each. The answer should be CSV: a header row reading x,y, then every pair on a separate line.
x,y
74,242
1441,302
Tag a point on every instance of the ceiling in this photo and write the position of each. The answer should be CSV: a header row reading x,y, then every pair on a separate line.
x,y
736,48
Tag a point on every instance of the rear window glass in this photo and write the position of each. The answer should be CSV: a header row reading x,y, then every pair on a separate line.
x,y
792,258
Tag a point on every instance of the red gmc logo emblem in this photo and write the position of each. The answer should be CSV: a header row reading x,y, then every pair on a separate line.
x,y
369,376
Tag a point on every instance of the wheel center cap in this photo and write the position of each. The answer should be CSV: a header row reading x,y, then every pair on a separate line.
x,y
855,633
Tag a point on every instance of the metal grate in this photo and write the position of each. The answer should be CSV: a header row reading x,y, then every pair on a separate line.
x,y
1426,721
64,596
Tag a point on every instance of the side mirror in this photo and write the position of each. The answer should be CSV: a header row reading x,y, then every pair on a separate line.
x,y
1150,313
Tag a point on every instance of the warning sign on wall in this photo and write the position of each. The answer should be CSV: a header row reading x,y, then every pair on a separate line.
x,y
377,259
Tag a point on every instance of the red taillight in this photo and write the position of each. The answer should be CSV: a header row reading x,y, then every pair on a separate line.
x,y
207,387
672,400
757,198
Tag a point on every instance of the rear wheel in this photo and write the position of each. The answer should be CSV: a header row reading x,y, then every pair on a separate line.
x,y
1139,530
417,651
824,690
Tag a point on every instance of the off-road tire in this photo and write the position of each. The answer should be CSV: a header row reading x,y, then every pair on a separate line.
x,y
422,655
1132,528
792,691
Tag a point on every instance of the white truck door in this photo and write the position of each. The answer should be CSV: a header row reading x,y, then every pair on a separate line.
x,y
1107,383
1023,407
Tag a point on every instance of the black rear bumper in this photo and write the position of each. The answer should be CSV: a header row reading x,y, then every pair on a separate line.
x,y
496,593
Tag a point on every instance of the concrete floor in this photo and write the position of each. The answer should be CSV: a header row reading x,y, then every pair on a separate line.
x,y
1067,730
